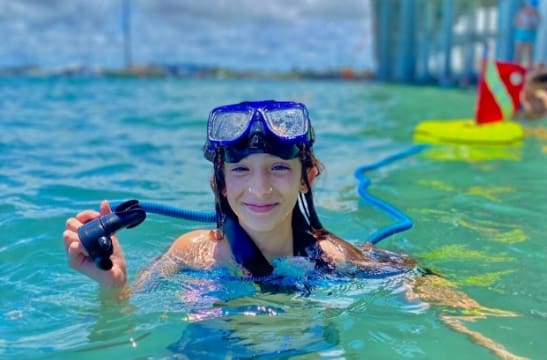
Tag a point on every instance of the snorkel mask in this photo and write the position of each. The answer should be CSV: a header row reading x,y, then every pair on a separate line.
x,y
280,128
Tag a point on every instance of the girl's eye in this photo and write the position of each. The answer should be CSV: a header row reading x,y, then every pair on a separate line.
x,y
239,169
280,167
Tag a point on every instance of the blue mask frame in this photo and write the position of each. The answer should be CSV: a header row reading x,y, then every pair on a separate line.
x,y
276,127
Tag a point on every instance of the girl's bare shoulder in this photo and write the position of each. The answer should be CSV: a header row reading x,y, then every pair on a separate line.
x,y
195,237
203,248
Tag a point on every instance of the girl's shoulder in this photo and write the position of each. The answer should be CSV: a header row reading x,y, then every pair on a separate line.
x,y
202,248
199,235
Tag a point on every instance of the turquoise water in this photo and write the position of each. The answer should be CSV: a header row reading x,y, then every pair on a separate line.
x,y
66,144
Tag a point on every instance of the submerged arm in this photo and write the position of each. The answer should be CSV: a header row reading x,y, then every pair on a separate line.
x,y
366,258
439,291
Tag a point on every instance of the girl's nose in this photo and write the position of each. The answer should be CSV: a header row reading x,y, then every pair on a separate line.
x,y
260,185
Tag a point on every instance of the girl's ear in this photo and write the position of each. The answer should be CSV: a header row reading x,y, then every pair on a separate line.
x,y
311,174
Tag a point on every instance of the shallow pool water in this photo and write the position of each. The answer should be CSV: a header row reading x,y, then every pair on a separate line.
x,y
66,144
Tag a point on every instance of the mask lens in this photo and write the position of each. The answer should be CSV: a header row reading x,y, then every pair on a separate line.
x,y
228,126
287,123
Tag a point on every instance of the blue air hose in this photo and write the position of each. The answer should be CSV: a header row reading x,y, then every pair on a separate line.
x,y
404,221
175,212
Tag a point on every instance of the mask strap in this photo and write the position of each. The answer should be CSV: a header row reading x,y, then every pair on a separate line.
x,y
304,208
309,206
219,183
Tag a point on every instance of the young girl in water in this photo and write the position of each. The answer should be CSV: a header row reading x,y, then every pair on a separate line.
x,y
263,169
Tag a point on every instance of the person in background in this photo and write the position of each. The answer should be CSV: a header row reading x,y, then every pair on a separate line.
x,y
533,96
526,23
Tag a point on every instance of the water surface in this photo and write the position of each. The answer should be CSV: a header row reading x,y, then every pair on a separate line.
x,y
66,144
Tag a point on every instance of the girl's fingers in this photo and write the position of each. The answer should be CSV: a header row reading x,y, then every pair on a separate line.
x,y
73,224
105,207
87,215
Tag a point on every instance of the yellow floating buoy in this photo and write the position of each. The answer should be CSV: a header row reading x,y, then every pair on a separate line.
x,y
467,131
498,99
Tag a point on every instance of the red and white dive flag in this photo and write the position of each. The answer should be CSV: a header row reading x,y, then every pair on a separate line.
x,y
499,90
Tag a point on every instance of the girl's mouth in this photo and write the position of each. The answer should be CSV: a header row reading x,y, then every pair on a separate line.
x,y
260,208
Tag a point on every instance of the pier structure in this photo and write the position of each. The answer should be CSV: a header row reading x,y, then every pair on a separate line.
x,y
445,41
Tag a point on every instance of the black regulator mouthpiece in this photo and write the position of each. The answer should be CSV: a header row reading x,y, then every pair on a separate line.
x,y
95,235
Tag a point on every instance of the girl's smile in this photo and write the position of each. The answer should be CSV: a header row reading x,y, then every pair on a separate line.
x,y
260,208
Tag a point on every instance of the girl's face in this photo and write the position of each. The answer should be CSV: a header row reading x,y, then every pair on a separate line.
x,y
262,190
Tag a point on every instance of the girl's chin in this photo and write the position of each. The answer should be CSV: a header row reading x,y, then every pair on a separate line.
x,y
261,222
272,220
259,225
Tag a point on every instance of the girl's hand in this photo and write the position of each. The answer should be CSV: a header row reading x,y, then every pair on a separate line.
x,y
79,260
